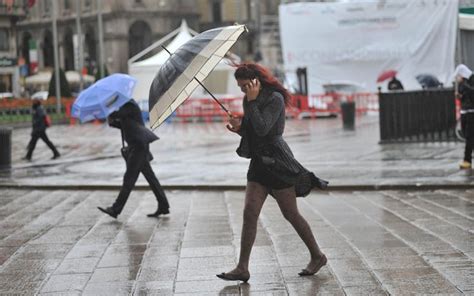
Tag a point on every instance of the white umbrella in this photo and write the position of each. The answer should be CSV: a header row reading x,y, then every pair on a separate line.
x,y
179,76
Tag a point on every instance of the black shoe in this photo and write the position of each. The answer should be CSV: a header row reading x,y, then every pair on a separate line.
x,y
159,212
322,184
26,158
56,156
109,211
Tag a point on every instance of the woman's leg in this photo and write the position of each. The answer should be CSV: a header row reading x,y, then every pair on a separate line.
x,y
286,199
255,196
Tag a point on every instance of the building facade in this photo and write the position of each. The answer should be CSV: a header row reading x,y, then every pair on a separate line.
x,y
128,28
9,70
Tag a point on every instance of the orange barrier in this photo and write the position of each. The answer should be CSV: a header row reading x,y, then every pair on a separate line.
x,y
207,109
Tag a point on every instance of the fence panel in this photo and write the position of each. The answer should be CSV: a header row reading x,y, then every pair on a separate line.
x,y
425,115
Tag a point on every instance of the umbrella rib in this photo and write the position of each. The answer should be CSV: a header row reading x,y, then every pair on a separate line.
x,y
205,88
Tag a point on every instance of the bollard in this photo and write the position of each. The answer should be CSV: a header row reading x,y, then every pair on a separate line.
x,y
348,115
5,148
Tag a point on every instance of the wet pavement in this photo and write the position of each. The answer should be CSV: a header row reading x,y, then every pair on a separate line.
x,y
378,243
203,154
53,240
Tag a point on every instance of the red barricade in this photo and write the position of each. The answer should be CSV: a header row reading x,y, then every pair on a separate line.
x,y
206,109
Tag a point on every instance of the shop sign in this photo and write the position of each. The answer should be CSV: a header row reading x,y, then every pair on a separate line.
x,y
7,62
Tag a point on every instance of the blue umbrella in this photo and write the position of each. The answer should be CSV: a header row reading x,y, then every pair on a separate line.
x,y
103,97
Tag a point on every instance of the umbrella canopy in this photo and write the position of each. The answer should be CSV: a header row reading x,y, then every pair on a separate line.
x,y
103,97
428,81
179,76
389,74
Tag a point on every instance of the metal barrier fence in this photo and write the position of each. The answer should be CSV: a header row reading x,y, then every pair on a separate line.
x,y
206,109
18,111
417,116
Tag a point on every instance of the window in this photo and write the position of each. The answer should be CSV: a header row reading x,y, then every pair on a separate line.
x,y
46,7
4,40
216,11
67,5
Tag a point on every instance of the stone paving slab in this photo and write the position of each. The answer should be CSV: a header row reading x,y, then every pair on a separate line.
x,y
377,243
203,154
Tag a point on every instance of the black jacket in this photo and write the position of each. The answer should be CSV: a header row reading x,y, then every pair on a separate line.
x,y
466,90
38,119
129,119
395,84
261,130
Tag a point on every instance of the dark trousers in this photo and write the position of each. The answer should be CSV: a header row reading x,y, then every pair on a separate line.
x,y
138,161
467,125
34,139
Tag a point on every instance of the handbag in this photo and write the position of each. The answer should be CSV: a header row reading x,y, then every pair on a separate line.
x,y
47,120
125,151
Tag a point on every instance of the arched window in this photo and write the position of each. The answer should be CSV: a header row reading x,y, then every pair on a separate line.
x,y
48,50
216,10
25,47
68,50
139,37
4,40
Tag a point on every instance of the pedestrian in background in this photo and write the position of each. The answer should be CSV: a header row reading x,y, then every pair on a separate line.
x,y
137,156
273,169
40,122
395,84
465,92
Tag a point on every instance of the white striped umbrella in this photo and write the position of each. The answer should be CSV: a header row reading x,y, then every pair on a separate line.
x,y
190,64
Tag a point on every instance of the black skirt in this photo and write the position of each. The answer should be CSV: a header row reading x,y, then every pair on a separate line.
x,y
259,173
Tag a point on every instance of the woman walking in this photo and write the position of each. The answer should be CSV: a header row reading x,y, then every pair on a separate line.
x,y
273,169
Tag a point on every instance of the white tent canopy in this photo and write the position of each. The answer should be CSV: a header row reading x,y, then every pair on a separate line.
x,y
41,80
220,82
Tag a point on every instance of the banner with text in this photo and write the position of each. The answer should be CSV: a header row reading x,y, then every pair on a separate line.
x,y
355,42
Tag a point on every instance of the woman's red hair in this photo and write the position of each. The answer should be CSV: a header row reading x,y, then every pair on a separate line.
x,y
252,71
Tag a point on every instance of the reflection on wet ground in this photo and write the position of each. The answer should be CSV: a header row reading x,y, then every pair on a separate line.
x,y
377,242
204,154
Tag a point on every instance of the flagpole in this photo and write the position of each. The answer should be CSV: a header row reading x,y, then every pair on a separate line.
x,y
56,58
101,38
79,44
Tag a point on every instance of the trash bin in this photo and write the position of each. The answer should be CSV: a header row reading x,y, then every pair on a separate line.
x,y
5,148
348,115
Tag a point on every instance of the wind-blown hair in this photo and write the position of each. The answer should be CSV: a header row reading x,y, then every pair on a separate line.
x,y
267,80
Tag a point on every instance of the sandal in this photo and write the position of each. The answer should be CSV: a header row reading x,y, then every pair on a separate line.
x,y
234,277
320,264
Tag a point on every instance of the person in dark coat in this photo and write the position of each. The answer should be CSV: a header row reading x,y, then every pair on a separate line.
x,y
395,84
137,156
273,169
39,131
465,92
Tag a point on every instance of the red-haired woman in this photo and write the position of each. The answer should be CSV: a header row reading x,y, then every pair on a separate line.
x,y
273,168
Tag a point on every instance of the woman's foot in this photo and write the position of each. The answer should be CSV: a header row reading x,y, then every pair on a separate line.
x,y
235,275
314,266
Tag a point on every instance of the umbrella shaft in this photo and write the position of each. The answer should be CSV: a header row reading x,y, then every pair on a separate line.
x,y
220,104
